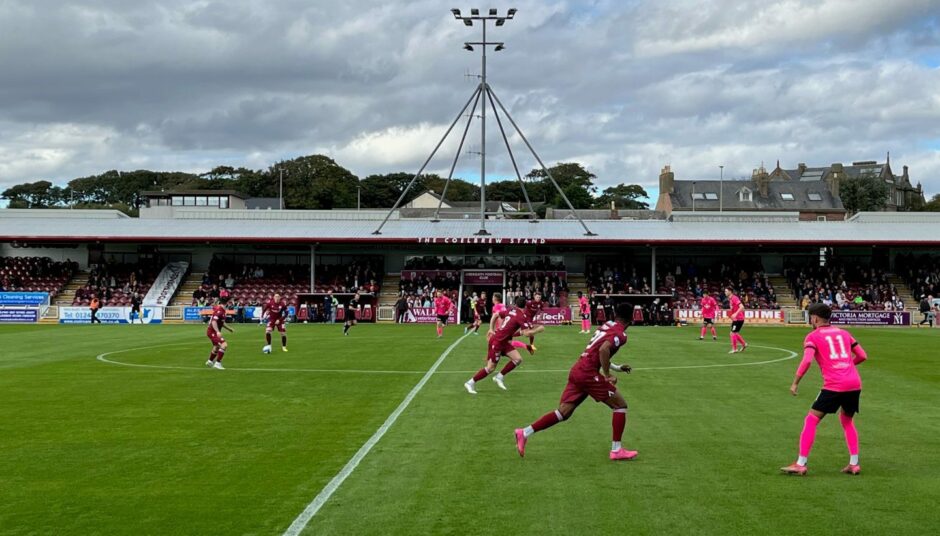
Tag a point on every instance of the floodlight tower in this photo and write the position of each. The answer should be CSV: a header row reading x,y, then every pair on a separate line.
x,y
480,96
498,45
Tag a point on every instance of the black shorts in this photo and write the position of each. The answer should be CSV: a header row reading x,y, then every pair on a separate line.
x,y
830,401
585,316
443,319
736,326
708,320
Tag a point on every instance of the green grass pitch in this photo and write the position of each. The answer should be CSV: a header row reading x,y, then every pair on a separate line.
x,y
91,447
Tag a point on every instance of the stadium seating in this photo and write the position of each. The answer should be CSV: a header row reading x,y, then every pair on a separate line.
x,y
684,283
115,284
35,274
844,284
256,283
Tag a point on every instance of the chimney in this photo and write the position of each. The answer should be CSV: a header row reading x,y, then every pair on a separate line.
x,y
835,176
802,166
667,181
762,179
614,213
905,172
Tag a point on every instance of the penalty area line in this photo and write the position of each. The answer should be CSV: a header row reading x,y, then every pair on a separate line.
x,y
311,510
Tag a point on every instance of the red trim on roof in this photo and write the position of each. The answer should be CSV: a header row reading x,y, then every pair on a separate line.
x,y
414,240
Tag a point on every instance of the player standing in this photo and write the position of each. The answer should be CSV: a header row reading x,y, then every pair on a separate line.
x,y
351,309
737,321
276,312
837,354
500,344
585,310
214,332
709,309
584,380
442,307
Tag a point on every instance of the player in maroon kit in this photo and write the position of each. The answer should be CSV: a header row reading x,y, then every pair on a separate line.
x,y
533,308
590,376
479,311
276,312
214,332
500,344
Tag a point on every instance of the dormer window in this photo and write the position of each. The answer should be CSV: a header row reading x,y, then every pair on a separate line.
x,y
745,195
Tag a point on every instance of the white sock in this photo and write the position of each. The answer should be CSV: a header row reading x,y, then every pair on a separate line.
x,y
499,376
615,446
853,459
801,460
471,382
528,431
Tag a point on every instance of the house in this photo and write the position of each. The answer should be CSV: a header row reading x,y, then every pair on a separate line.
x,y
813,201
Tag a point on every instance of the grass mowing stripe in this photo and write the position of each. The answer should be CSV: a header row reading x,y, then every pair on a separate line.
x,y
311,510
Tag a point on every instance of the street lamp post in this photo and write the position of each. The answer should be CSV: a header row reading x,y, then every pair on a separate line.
x,y
280,191
721,189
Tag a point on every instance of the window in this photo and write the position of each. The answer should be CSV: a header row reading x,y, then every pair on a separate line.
x,y
711,196
786,197
745,195
177,201
223,202
201,201
698,197
189,201
820,218
814,196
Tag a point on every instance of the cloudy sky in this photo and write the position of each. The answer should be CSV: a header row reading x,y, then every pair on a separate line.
x,y
621,86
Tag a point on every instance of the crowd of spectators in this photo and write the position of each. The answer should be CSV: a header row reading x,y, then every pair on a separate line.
x,y
922,273
117,284
553,286
844,286
35,274
684,283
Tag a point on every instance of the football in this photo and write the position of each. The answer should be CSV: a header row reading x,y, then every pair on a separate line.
x,y
266,349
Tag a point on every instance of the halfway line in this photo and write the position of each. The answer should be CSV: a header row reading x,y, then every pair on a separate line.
x,y
311,510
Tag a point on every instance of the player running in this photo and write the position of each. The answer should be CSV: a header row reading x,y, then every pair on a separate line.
x,y
533,308
351,309
442,308
276,312
737,321
214,332
501,344
838,354
585,309
590,376
709,309
500,312
478,305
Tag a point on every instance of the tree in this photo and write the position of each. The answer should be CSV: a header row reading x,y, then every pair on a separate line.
x,y
571,177
316,182
624,196
867,193
39,194
933,205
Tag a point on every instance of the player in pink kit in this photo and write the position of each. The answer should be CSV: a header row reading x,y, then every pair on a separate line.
x,y
590,376
737,321
709,309
585,309
442,308
501,344
214,332
276,312
837,354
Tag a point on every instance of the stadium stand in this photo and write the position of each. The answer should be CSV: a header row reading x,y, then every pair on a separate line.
x,y
115,284
920,273
35,274
845,285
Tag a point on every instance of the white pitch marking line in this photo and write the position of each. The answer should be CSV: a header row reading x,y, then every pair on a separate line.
x,y
791,355
311,510
102,358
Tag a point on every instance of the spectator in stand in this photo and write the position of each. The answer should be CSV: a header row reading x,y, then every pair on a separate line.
x,y
230,282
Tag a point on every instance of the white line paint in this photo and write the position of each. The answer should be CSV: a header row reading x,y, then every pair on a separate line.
x,y
103,358
311,510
